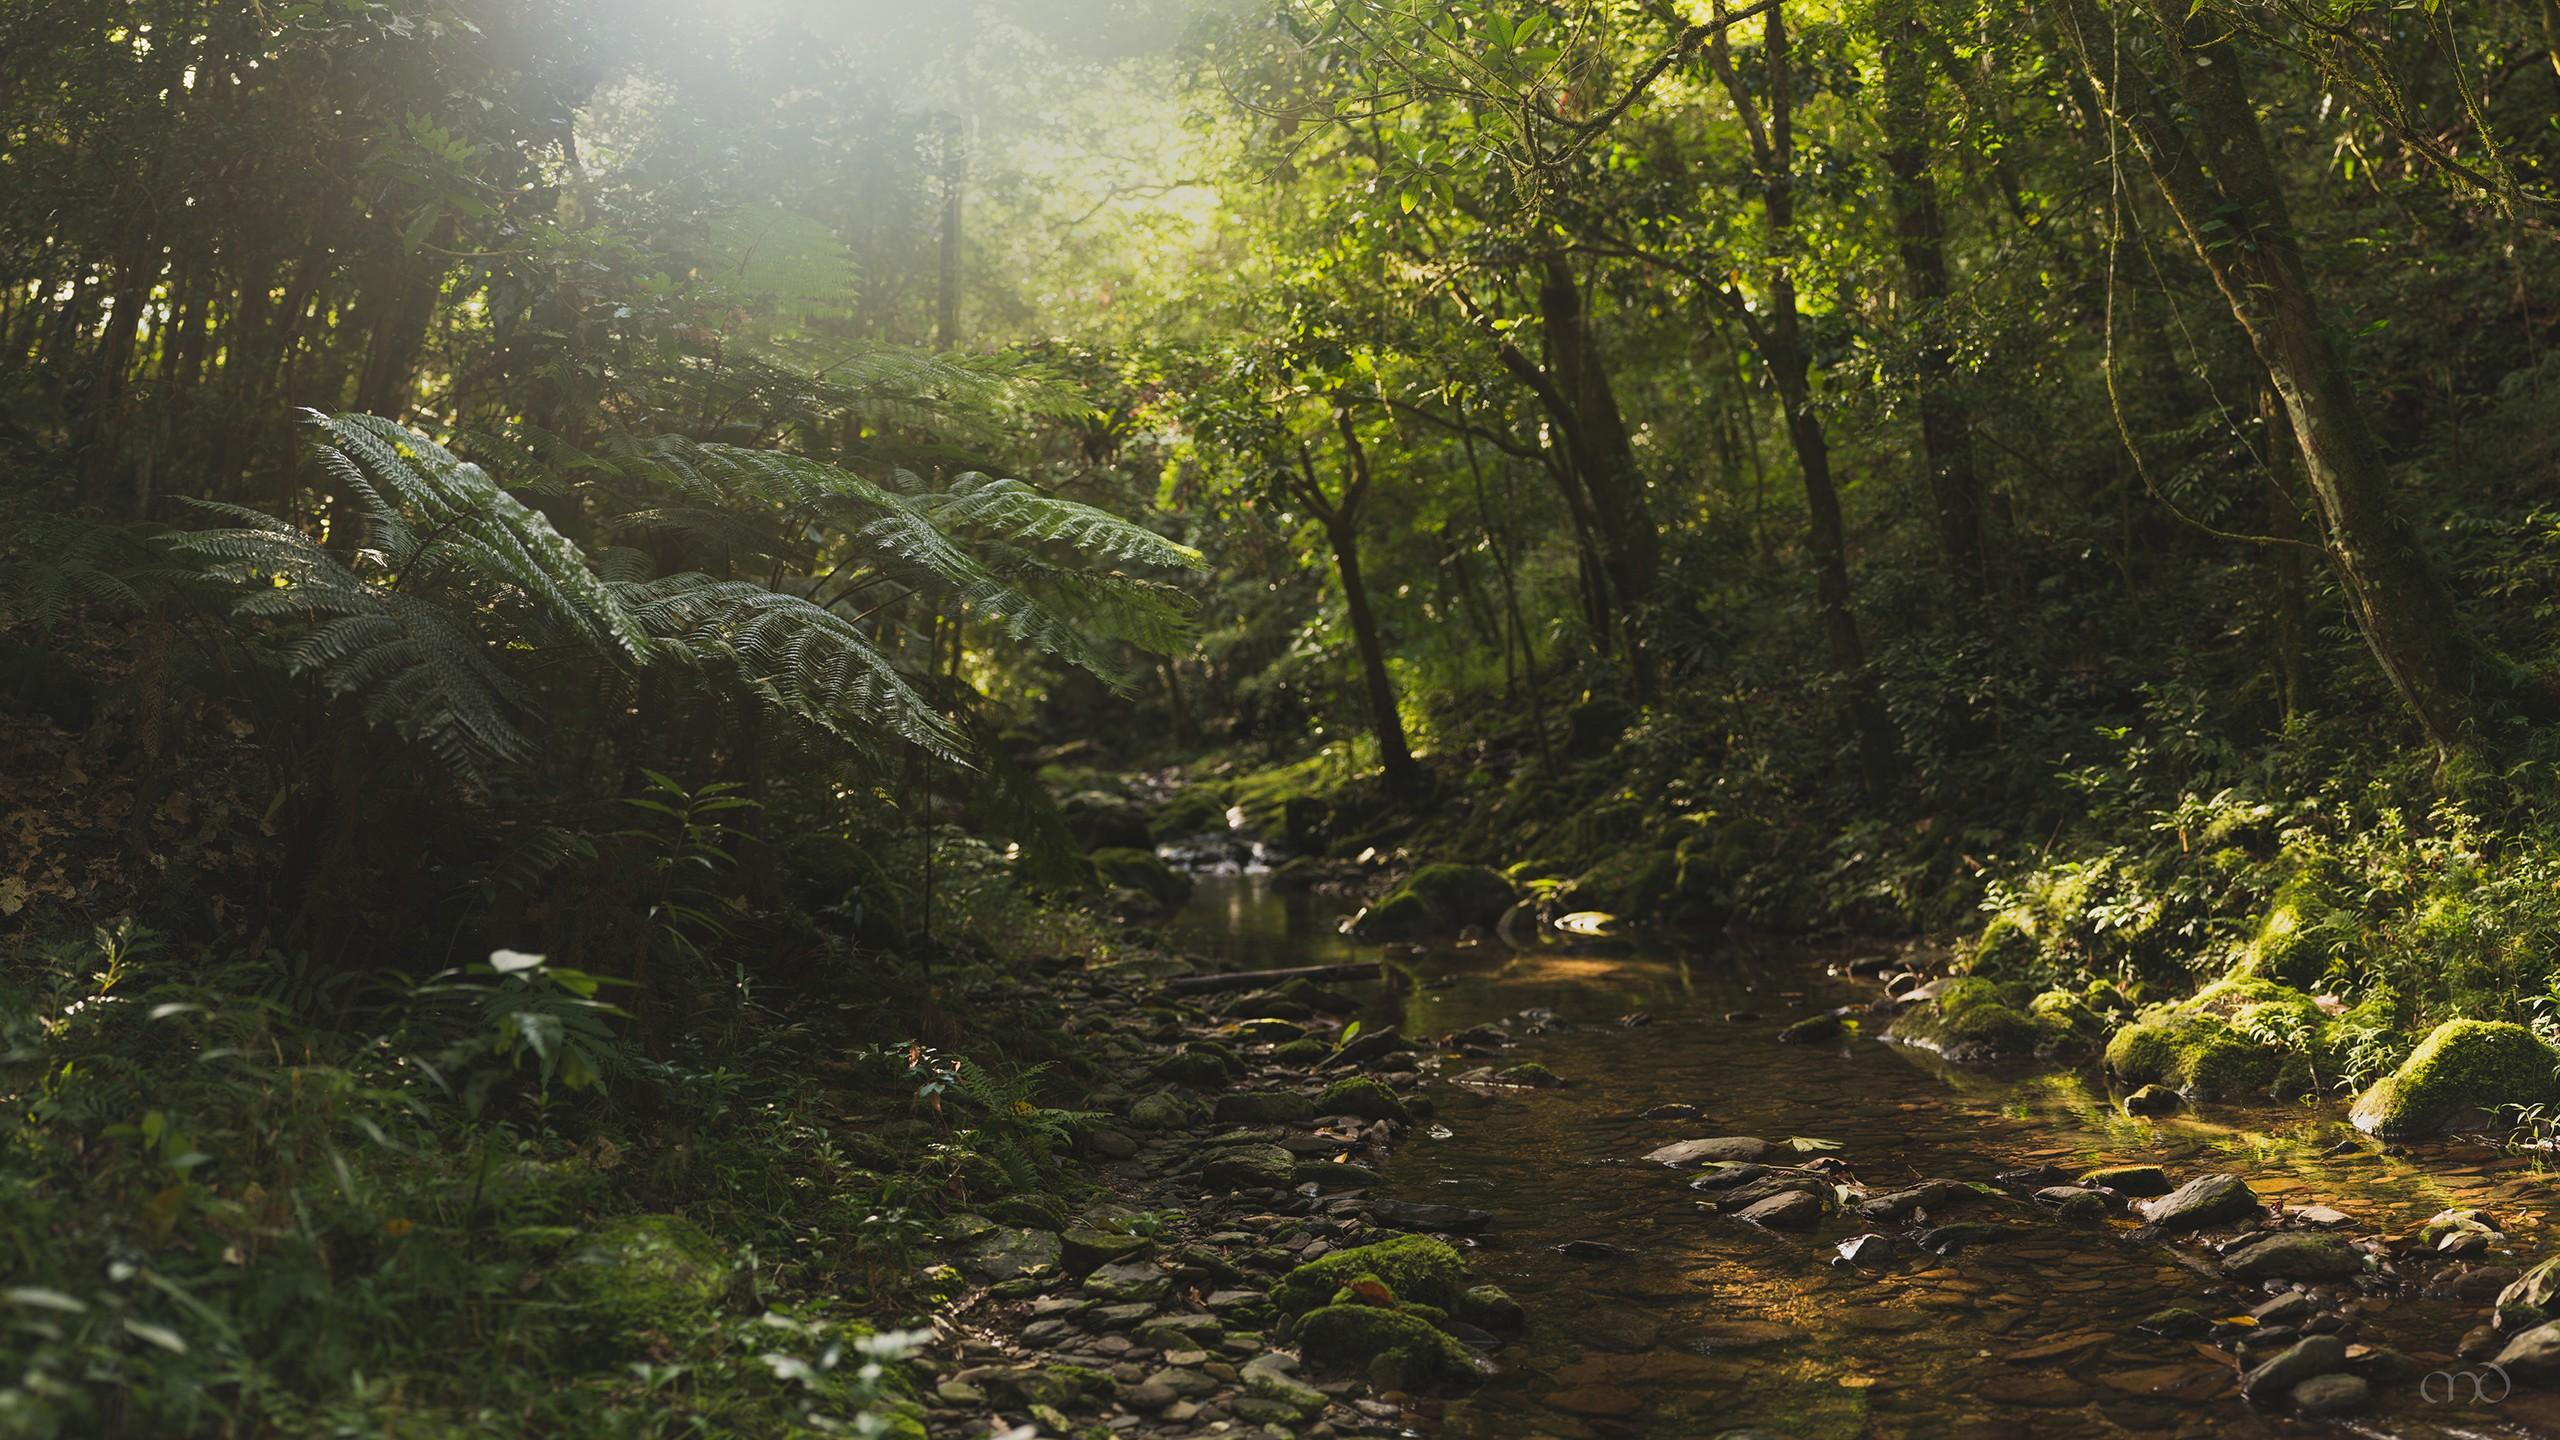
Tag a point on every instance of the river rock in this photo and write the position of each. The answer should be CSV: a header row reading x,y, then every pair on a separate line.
x,y
1811,1029
2303,1360
1263,1107
1086,1251
1928,1195
2331,1395
1701,1152
1430,1218
2290,1308
2138,1181
1128,1282
1792,1210
1727,1177
2535,1354
1250,1167
1964,1234
1270,1377
2293,1257
2205,1200
2072,1203
2153,1100
1006,1253
1868,1249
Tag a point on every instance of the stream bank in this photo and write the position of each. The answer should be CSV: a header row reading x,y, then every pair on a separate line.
x,y
2002,1295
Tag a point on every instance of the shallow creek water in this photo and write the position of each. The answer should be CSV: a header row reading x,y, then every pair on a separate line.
x,y
1713,1325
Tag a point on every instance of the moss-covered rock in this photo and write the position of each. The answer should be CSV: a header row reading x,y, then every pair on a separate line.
x,y
2463,1069
1632,883
1490,1307
649,1274
1101,820
2233,1037
1369,1099
2302,935
1140,870
1193,810
1262,1107
1395,1350
1970,1019
1436,900
2007,945
1304,1051
1417,1268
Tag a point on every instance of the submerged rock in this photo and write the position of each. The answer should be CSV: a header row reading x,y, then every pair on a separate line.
x,y
1438,1219
2331,1395
1812,1029
2205,1200
2294,1257
2304,1360
1701,1152
2463,1069
1788,1210
2153,1100
2139,1181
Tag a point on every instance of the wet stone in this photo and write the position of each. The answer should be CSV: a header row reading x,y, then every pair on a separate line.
x,y
1701,1152
2203,1201
2294,1257
2303,1360
2331,1395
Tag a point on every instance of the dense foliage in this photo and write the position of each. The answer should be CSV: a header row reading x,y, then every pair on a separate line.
x,y
558,561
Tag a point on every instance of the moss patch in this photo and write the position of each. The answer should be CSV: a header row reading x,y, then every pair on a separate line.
x,y
1437,899
1369,1099
1394,1349
1972,1019
1416,1267
2463,1068
1140,870
649,1273
2235,1037
1632,883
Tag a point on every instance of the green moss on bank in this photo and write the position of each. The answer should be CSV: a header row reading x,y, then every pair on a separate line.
x,y
2464,1069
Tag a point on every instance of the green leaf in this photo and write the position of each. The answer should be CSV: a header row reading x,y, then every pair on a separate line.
x,y
36,1297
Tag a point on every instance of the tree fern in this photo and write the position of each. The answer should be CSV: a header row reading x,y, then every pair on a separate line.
x,y
809,662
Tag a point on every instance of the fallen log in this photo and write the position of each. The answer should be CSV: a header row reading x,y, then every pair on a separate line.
x,y
1255,979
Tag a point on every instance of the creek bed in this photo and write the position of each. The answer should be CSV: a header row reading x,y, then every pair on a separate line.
x,y
1710,1325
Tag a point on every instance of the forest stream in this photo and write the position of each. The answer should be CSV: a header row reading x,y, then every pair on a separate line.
x,y
1691,1323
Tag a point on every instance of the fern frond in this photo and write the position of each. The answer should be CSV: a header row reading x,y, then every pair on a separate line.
x,y
809,662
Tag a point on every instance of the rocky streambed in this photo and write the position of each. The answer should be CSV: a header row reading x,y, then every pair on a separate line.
x,y
1626,1191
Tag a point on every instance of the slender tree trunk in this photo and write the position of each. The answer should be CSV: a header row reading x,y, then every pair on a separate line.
x,y
1602,453
1342,532
1779,334
1384,719
1946,430
2285,578
2210,160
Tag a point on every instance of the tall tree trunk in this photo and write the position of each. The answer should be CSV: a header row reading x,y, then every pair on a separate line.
x,y
1779,336
1946,430
2210,160
1384,719
1342,532
1602,453
2285,578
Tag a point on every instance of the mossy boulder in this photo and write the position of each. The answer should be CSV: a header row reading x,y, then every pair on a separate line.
x,y
1101,820
1633,883
2007,945
1969,1019
2302,934
1417,1268
2463,1069
1490,1307
2234,1037
1194,810
1437,900
649,1274
1395,1350
1369,1099
1141,871
1306,1051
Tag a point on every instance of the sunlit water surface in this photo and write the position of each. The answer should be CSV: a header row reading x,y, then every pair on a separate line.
x,y
1714,1325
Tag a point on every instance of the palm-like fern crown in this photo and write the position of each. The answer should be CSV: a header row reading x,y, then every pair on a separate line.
x,y
450,582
